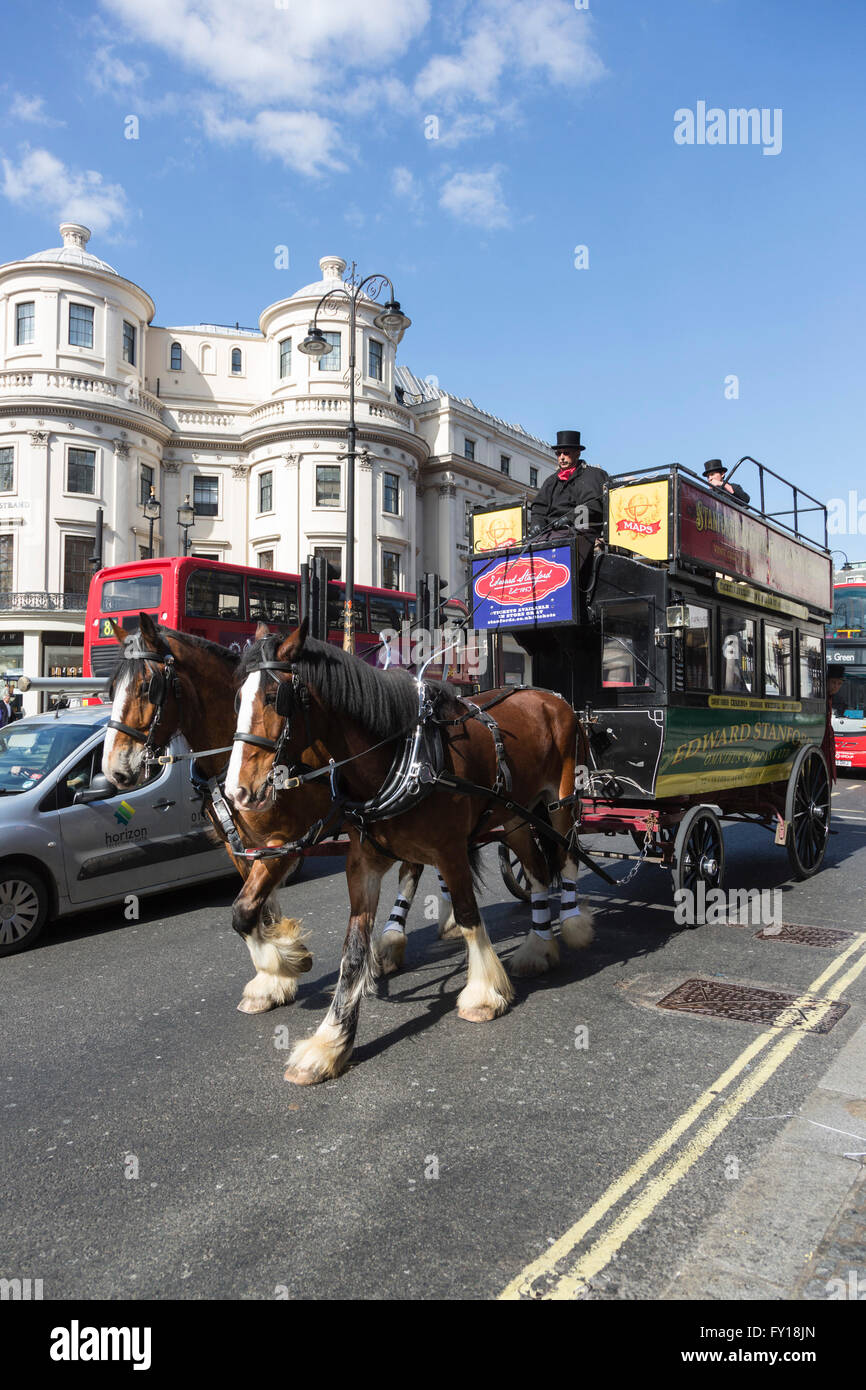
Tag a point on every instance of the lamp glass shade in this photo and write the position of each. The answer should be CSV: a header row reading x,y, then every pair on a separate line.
x,y
185,514
152,508
392,319
314,345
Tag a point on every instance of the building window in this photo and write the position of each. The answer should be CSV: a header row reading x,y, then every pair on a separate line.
x,y
81,325
330,361
205,496
77,554
7,470
265,559
128,343
6,553
266,493
390,569
207,359
81,471
375,364
391,493
25,322
237,362
176,357
144,552
468,448
145,484
207,555
533,477
468,509
334,557
505,465
285,357
327,485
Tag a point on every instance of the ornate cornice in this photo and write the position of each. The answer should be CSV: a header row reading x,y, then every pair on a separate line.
x,y
39,438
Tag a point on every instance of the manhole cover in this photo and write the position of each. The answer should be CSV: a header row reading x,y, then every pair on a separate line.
x,y
716,999
805,936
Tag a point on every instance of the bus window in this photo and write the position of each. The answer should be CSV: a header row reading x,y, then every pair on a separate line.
x,y
625,645
811,668
334,612
778,666
134,591
738,654
697,664
210,594
272,602
385,613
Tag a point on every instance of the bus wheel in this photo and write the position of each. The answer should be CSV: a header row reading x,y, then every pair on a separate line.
x,y
807,811
23,908
699,851
513,874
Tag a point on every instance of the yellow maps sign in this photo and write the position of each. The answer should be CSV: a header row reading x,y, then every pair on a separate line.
x,y
492,530
638,518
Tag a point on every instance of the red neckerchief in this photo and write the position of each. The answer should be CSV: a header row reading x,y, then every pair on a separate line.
x,y
565,473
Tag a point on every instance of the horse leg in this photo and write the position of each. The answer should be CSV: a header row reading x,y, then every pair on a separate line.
x,y
575,918
327,1052
539,951
488,990
391,944
274,942
448,927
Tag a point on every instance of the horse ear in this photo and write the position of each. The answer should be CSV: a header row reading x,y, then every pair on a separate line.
x,y
262,631
120,634
291,649
148,627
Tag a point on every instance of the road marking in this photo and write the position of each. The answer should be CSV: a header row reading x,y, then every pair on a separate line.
x,y
602,1252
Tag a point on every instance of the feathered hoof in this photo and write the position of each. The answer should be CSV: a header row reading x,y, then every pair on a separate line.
x,y
535,957
484,1013
316,1059
390,951
480,1005
577,932
266,992
449,930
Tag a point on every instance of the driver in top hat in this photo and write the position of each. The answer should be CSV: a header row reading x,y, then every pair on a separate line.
x,y
714,472
575,484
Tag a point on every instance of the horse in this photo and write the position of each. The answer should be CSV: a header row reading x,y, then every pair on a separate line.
x,y
330,716
196,700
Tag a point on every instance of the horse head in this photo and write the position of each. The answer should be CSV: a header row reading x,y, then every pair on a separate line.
x,y
146,694
272,708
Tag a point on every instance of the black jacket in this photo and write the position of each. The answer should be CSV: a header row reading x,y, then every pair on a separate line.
x,y
557,500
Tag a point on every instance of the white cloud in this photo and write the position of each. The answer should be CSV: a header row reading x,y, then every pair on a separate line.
x,y
547,38
31,109
302,140
43,182
476,198
404,185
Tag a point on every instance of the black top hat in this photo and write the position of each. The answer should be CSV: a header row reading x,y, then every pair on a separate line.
x,y
714,466
568,439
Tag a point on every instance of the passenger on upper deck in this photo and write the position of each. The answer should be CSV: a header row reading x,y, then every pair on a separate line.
x,y
575,484
714,472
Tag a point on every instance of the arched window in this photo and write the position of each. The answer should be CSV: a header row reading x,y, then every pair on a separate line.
x,y
237,361
176,357
207,358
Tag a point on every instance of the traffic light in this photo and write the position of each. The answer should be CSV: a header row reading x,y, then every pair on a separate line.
x,y
433,590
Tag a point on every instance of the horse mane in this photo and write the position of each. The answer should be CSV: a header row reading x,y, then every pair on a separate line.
x,y
136,666
382,702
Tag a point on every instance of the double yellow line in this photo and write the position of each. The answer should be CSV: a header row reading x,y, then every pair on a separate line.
x,y
560,1273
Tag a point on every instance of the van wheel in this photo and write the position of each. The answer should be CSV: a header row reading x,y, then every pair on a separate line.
x,y
23,908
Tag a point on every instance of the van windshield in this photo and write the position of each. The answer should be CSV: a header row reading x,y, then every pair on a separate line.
x,y
29,752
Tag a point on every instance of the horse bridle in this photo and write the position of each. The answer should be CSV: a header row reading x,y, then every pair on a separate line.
x,y
161,684
291,696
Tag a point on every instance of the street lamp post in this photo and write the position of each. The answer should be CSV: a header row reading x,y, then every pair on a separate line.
x,y
390,320
151,511
185,518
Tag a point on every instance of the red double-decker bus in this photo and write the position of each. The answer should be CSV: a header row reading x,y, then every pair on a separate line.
x,y
846,647
223,603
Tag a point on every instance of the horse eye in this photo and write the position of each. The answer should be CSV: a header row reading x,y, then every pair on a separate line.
x,y
270,698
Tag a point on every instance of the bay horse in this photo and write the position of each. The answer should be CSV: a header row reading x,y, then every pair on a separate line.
x,y
198,701
300,695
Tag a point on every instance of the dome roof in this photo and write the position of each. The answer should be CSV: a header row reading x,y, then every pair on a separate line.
x,y
332,268
73,251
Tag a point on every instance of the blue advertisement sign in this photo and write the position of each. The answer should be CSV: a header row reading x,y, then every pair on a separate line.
x,y
524,590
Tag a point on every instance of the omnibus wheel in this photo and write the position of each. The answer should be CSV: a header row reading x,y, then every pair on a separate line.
x,y
513,874
699,850
807,811
23,908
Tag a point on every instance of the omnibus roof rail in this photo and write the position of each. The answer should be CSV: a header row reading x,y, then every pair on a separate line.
x,y
796,511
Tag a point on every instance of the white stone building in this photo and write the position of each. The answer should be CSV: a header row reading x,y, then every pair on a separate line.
x,y
98,404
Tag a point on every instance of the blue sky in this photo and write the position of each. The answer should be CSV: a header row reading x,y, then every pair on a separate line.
x,y
306,124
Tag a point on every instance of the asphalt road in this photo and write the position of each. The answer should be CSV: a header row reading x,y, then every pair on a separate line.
x,y
450,1157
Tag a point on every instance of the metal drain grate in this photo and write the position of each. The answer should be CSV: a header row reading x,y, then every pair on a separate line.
x,y
716,999
805,936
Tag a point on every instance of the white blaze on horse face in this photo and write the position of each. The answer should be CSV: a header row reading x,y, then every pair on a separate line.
x,y
117,708
244,725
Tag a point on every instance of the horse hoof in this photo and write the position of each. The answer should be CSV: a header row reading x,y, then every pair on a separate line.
x,y
256,1006
299,1077
480,1013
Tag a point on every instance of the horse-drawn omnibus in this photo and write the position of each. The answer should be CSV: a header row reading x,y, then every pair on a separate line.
x,y
692,648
